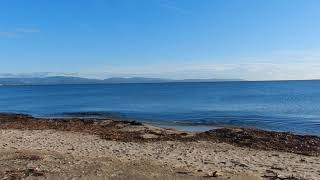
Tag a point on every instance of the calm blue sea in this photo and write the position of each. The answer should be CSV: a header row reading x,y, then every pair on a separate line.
x,y
285,105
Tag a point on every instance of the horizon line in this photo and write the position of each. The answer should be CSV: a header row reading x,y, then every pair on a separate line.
x,y
164,80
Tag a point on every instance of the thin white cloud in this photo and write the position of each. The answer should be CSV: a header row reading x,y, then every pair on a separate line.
x,y
18,32
280,65
247,71
171,5
8,34
27,30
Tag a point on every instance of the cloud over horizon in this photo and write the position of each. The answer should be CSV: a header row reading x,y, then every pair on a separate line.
x,y
280,65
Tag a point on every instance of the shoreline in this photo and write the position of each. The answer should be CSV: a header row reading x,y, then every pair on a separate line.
x,y
180,125
220,153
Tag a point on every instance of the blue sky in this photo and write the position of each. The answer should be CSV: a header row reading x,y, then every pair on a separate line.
x,y
249,39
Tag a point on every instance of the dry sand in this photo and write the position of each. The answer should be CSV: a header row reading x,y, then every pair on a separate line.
x,y
51,154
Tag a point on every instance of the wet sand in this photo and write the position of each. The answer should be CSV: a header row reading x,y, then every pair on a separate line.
x,y
108,149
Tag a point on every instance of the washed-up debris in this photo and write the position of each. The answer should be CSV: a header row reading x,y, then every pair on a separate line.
x,y
114,130
29,157
267,140
21,174
278,177
213,174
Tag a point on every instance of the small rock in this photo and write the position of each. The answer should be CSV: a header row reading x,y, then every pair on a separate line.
x,y
276,168
214,174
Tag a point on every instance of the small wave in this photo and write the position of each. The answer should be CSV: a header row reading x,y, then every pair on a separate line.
x,y
91,114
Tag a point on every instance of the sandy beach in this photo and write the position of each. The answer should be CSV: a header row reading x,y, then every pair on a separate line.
x,y
33,148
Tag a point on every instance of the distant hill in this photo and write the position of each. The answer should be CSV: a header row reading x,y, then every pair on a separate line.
x,y
47,81
77,80
135,80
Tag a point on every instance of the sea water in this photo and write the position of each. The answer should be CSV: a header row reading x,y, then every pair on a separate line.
x,y
273,105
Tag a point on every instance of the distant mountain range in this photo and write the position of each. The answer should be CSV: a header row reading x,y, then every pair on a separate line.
x,y
77,80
